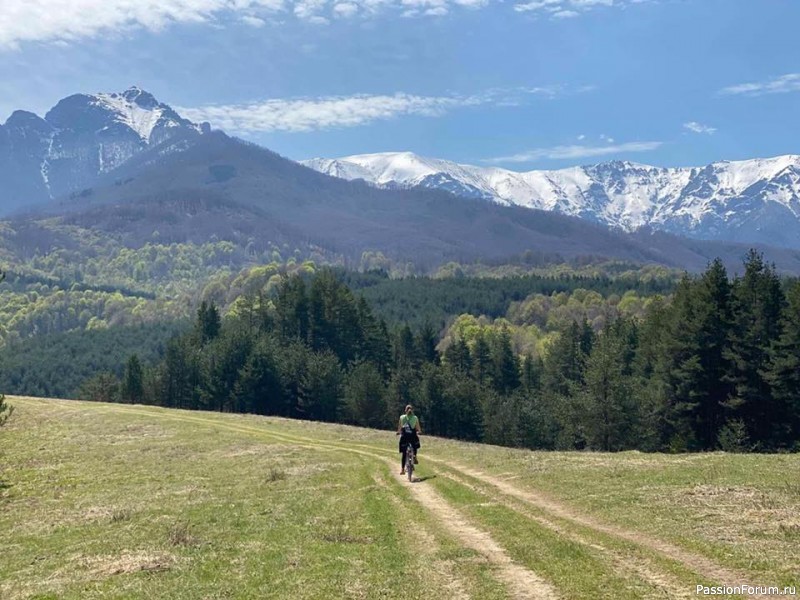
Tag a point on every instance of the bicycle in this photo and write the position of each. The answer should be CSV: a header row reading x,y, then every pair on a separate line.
x,y
410,461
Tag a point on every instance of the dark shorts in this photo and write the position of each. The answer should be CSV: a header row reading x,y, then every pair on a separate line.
x,y
406,438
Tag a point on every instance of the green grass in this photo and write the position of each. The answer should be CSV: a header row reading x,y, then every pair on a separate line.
x,y
139,502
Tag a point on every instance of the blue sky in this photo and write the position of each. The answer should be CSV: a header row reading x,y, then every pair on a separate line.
x,y
521,83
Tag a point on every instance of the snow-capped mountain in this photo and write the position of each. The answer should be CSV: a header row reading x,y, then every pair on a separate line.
x,y
747,201
82,137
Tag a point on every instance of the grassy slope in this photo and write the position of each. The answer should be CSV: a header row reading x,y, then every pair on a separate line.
x,y
119,502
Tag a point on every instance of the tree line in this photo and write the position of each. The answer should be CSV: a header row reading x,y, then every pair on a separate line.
x,y
716,366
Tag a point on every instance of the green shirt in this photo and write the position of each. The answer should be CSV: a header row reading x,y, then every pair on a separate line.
x,y
411,421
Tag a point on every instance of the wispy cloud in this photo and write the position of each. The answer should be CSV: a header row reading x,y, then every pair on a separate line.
x,y
71,20
696,127
575,151
568,9
319,113
308,114
779,85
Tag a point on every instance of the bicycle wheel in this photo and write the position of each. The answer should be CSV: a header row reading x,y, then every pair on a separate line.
x,y
410,462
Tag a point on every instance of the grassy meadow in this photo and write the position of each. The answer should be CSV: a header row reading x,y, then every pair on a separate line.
x,y
118,501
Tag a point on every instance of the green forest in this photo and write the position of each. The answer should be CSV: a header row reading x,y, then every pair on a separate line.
x,y
713,364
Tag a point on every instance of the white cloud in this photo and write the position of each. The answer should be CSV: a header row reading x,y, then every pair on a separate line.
x,y
345,9
71,20
569,9
68,20
320,113
308,114
779,85
576,151
696,127
253,21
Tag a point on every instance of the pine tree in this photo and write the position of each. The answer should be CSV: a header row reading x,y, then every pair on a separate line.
x,y
320,388
292,309
505,375
611,412
431,401
757,308
562,379
404,350
565,361
5,410
461,397
364,396
208,322
532,373
481,358
782,372
425,344
132,390
258,387
697,347
103,387
458,358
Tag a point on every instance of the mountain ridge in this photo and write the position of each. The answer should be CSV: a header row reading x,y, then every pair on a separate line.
x,y
756,200
82,137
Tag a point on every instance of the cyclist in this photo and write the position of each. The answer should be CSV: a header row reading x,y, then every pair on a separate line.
x,y
408,429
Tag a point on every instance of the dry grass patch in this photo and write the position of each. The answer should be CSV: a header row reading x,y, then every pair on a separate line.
x,y
129,562
180,534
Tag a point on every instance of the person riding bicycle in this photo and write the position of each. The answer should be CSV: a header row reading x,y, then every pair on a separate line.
x,y
408,429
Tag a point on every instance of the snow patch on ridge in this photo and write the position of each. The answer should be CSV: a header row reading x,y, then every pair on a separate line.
x,y
619,193
140,119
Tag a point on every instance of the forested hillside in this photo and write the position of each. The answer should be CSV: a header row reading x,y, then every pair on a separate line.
x,y
714,366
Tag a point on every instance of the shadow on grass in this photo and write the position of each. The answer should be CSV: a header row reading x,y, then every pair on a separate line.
x,y
421,479
4,485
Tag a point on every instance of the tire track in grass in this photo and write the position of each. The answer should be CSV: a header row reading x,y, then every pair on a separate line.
x,y
668,584
523,584
701,565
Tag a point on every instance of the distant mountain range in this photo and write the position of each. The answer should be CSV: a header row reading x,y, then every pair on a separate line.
x,y
129,167
750,201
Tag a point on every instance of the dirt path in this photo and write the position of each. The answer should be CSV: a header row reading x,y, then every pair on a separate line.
x,y
699,564
523,583
644,570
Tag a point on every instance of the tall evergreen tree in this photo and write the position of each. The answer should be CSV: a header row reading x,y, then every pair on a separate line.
x,y
208,322
562,379
481,358
292,309
132,390
757,308
697,349
5,410
532,367
258,387
458,358
365,396
505,369
425,344
783,373
610,421
180,374
320,389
